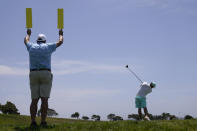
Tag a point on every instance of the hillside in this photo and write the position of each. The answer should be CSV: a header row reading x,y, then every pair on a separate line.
x,y
21,123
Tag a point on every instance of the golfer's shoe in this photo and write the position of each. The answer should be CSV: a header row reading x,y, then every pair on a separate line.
x,y
43,124
146,118
33,124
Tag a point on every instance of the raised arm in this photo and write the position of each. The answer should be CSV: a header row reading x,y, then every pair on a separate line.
x,y
27,37
60,41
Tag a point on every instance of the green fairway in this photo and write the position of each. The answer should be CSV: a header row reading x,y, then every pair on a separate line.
x,y
21,123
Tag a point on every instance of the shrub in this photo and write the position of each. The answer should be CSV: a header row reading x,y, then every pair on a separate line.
x,y
187,117
9,108
85,117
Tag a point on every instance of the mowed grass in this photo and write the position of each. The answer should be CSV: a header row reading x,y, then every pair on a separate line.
x,y
21,123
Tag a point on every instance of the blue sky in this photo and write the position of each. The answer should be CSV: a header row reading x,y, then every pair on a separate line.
x,y
157,38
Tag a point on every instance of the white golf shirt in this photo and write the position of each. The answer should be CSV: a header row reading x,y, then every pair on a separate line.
x,y
144,89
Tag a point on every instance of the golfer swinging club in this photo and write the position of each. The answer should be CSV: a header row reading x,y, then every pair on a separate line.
x,y
140,99
40,73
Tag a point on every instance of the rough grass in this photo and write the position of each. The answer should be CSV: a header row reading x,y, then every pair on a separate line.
x,y
21,123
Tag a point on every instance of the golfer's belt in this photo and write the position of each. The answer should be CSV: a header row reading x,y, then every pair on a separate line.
x,y
41,69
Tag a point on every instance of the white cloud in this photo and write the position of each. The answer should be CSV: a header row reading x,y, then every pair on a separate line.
x,y
72,67
64,67
8,70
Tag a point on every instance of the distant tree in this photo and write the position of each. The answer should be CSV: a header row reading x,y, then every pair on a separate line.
x,y
187,117
155,117
163,116
117,118
72,115
85,118
173,117
93,116
50,112
111,116
9,108
0,107
75,115
134,116
166,116
96,117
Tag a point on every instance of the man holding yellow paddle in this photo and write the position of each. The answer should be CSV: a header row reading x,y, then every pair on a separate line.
x,y
40,67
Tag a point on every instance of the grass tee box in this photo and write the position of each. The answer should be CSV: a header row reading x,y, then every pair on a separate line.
x,y
28,18
60,19
21,123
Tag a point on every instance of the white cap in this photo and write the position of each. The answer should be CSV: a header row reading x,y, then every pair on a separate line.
x,y
41,37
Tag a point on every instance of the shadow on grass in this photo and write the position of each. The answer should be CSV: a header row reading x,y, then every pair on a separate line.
x,y
37,128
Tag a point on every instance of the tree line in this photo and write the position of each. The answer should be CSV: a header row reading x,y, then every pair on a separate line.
x,y
113,117
93,117
163,116
10,108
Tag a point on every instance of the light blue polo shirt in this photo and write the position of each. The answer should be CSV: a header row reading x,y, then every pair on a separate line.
x,y
40,54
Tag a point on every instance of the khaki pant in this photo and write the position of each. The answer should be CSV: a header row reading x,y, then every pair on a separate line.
x,y
40,83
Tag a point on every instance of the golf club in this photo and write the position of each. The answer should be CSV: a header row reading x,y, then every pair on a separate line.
x,y
133,73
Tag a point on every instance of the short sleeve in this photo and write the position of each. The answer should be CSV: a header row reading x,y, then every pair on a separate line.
x,y
28,45
52,47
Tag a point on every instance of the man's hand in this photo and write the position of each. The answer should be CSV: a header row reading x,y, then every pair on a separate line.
x,y
60,41
26,40
29,32
61,32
